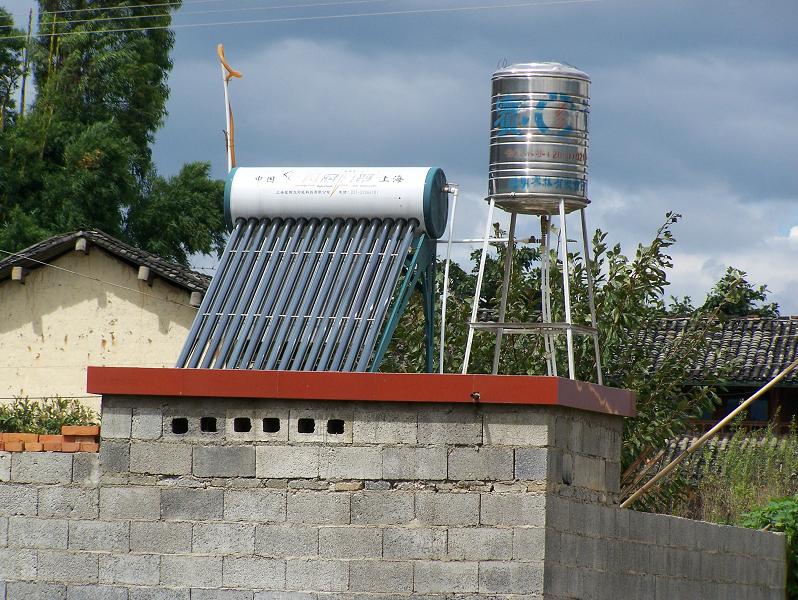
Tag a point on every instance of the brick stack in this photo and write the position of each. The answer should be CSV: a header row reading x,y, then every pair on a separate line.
x,y
73,438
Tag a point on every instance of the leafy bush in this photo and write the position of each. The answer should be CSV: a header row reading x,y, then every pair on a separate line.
x,y
780,515
45,416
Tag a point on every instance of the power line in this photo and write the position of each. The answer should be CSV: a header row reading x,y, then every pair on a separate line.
x,y
97,279
391,13
79,10
209,12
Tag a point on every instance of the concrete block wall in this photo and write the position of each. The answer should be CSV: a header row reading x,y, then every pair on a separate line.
x,y
324,500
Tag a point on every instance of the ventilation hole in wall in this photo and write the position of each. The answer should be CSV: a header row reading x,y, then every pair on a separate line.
x,y
180,425
306,425
208,424
242,424
335,426
271,425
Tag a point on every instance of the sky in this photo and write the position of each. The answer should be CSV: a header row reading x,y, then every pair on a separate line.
x,y
693,109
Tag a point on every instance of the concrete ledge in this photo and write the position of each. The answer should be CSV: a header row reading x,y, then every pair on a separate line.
x,y
377,387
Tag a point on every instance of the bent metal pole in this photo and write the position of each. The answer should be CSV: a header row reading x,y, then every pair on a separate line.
x,y
702,440
227,74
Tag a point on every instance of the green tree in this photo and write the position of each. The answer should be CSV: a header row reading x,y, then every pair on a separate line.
x,y
11,46
734,296
81,156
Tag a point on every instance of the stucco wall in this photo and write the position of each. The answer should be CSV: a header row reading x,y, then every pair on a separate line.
x,y
57,323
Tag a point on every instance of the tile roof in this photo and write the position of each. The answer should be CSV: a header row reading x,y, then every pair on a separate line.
x,y
47,250
756,348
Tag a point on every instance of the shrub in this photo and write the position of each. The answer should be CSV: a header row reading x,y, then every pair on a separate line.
x,y
780,515
45,416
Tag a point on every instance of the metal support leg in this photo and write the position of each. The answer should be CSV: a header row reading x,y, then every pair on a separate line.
x,y
566,286
481,272
445,297
590,300
545,296
508,267
428,290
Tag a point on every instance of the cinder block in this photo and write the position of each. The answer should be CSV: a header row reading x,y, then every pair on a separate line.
x,y
414,463
320,575
382,508
108,536
158,537
158,593
191,571
230,424
350,542
288,596
115,456
513,509
122,503
147,423
24,590
447,508
160,459
221,594
318,507
116,422
3,533
478,464
286,541
17,564
529,543
513,578
389,426
612,477
27,532
271,411
138,569
223,538
518,427
589,472
380,576
192,504
86,469
415,542
254,572
68,502
260,505
41,467
319,419
480,543
224,461
445,577
5,466
67,567
458,425
534,464
289,462
350,462
96,592
18,500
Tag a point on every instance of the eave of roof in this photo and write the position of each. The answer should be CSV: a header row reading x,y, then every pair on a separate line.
x,y
47,250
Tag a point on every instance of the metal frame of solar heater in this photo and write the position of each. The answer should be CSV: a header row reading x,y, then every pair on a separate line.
x,y
254,282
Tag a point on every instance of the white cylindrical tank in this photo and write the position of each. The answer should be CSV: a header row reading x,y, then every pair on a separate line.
x,y
339,192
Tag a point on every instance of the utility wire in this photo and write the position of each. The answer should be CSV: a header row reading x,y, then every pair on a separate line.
x,y
453,9
209,12
97,279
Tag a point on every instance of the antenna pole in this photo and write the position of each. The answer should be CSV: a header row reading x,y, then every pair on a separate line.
x,y
25,62
453,189
227,74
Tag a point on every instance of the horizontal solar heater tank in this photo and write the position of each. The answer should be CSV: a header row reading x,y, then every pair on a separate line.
x,y
344,192
309,277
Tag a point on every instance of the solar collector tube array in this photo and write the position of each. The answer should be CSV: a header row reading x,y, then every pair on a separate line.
x,y
305,294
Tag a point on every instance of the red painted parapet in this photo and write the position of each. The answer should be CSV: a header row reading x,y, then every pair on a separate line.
x,y
375,387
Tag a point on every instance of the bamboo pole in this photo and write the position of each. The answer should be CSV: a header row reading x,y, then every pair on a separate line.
x,y
702,440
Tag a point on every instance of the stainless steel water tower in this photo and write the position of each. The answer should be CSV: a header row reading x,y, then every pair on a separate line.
x,y
538,166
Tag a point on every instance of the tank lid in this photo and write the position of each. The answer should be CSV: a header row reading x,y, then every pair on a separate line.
x,y
551,69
